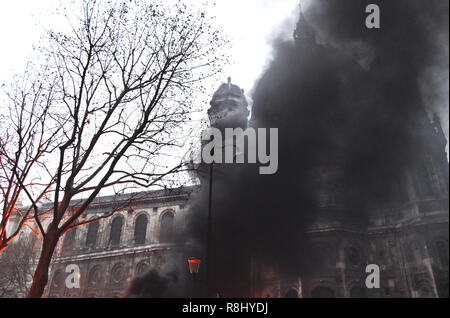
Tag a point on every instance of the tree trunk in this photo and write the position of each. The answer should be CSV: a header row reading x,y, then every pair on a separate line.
x,y
40,277
3,244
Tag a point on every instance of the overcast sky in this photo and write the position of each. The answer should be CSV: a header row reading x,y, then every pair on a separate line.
x,y
250,24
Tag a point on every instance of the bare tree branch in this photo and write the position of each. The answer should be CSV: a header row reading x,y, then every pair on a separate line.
x,y
122,87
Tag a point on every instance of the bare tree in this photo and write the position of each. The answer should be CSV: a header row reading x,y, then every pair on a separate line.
x,y
17,264
25,138
126,78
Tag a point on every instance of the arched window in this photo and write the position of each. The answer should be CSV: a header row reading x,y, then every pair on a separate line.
x,y
92,232
140,229
69,239
429,184
116,231
322,292
57,279
166,234
353,256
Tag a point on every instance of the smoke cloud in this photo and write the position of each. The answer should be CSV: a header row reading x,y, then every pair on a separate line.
x,y
351,114
164,283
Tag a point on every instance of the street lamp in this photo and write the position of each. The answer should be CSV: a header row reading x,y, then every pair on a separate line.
x,y
194,265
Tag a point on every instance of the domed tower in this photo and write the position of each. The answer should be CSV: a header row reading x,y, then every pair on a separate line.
x,y
229,107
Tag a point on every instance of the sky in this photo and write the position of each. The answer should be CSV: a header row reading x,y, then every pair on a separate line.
x,y
250,25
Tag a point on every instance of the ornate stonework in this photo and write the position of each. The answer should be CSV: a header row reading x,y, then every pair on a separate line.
x,y
108,263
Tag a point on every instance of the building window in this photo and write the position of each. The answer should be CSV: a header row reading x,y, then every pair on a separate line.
x,y
69,239
116,231
57,279
92,232
429,184
166,234
353,256
140,229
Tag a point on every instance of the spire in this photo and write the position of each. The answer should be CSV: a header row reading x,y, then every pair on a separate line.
x,y
304,33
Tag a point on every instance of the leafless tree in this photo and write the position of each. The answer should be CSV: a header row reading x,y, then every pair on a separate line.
x,y
123,83
25,138
17,265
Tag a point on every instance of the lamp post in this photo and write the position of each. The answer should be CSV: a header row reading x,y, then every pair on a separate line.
x,y
194,266
194,262
209,234
209,228
209,231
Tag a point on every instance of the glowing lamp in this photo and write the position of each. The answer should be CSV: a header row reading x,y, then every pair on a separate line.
x,y
194,265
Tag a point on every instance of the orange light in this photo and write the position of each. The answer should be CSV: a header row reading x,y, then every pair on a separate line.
x,y
194,265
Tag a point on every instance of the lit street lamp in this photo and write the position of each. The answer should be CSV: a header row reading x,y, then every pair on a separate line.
x,y
194,266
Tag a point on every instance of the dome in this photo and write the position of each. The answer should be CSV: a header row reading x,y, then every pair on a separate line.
x,y
228,91
229,107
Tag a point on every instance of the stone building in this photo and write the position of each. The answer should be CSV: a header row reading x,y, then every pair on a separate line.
x,y
110,252
406,238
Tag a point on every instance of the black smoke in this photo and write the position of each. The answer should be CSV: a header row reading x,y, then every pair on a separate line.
x,y
351,120
153,283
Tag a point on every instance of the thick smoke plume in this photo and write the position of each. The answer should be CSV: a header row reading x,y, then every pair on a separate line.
x,y
163,283
350,115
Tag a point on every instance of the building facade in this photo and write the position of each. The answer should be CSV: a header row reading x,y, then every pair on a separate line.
x,y
110,252
406,238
